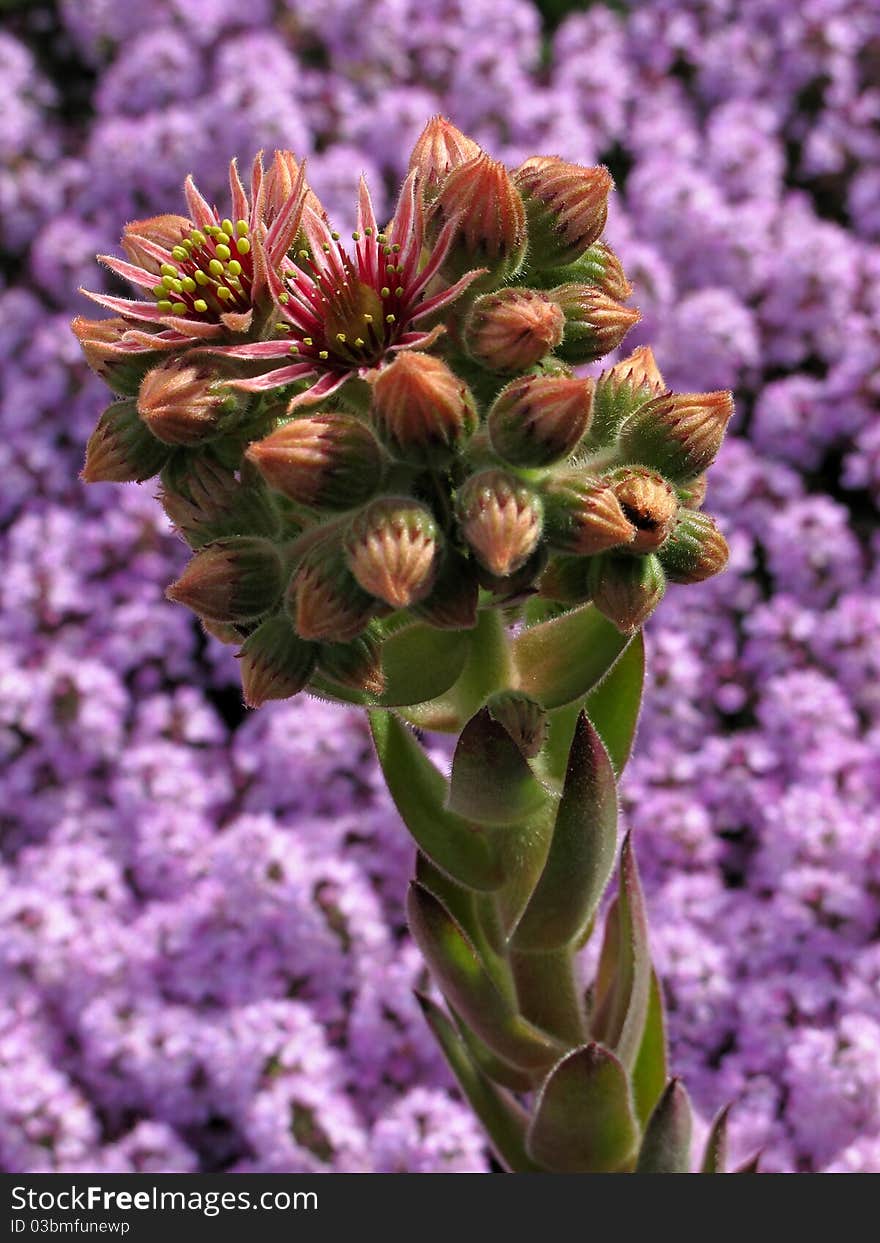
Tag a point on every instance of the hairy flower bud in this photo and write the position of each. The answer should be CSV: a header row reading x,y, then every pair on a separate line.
x,y
537,420
491,217
162,231
325,600
584,516
566,580
678,434
452,602
439,149
599,266
207,500
121,366
594,323
356,665
523,718
422,410
622,389
566,207
392,549
182,404
332,461
513,329
696,549
692,493
280,184
626,590
121,449
648,502
235,579
275,662
500,519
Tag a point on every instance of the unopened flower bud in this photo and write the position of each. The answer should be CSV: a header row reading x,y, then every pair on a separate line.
x,y
696,549
279,186
538,420
513,329
566,207
331,461
594,323
392,549
566,580
207,500
120,364
439,149
422,410
523,718
325,600
162,231
692,493
626,590
584,516
599,266
648,502
275,662
232,580
223,632
356,665
491,217
121,449
452,602
621,390
678,434
500,519
181,404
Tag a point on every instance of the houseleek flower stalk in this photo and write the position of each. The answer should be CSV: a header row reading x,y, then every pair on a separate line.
x,y
399,493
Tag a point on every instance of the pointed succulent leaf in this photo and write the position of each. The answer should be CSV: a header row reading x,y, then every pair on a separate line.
x,y
419,791
421,663
649,1073
583,1121
582,849
715,1152
491,781
505,1121
491,1066
666,1145
561,660
620,1019
461,975
751,1166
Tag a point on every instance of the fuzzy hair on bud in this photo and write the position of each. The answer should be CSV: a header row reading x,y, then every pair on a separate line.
x,y
584,516
491,215
141,237
696,549
523,718
326,602
330,461
513,329
439,149
692,494
594,323
422,410
206,501
538,420
392,548
622,389
599,265
275,662
566,207
182,404
232,580
501,520
356,665
121,449
120,365
626,590
452,602
678,434
649,503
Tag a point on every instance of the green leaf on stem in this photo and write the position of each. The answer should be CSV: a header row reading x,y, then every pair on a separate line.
x,y
613,706
486,670
715,1152
649,1073
561,660
581,854
491,782
420,791
666,1144
583,1121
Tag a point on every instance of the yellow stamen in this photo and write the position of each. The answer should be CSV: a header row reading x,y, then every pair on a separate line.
x,y
227,227
223,293
242,246
224,253
241,228
200,305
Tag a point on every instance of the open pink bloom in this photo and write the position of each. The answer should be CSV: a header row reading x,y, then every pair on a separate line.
x,y
206,275
342,313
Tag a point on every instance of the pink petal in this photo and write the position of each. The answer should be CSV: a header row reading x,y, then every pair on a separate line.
x,y
286,224
199,208
446,295
129,272
418,340
328,383
130,308
279,378
439,251
240,209
255,350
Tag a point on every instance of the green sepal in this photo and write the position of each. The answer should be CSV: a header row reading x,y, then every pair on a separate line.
x,y
491,782
463,978
650,1071
622,1005
715,1152
505,1121
419,792
491,1065
561,660
583,1121
581,855
666,1145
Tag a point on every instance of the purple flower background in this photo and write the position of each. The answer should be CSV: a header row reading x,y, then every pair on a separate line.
x,y
203,959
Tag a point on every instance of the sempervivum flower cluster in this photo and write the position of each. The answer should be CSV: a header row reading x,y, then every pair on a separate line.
x,y
357,436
